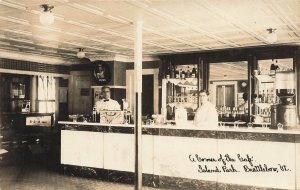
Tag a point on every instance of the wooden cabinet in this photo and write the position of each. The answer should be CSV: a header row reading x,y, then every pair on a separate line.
x,y
15,93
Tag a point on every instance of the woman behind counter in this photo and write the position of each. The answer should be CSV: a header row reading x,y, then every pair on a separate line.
x,y
206,115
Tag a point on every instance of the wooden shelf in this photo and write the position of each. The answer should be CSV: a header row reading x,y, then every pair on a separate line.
x,y
12,99
184,82
263,105
265,78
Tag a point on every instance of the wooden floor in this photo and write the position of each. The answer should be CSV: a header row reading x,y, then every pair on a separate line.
x,y
37,177
43,172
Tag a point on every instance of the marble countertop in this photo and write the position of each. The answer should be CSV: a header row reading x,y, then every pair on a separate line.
x,y
191,126
227,128
95,124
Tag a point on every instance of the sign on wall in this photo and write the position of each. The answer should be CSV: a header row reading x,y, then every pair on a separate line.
x,y
43,121
101,72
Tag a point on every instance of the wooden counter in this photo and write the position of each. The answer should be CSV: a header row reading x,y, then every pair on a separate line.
x,y
185,158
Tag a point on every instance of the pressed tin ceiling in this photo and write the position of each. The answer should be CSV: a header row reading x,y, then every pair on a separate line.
x,y
105,27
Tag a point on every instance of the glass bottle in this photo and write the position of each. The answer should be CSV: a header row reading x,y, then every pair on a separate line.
x,y
177,73
233,113
172,72
194,72
220,116
182,74
168,73
227,113
263,97
267,97
188,72
272,96
272,68
94,113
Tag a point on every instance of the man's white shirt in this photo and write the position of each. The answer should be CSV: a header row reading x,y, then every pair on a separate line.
x,y
108,104
206,116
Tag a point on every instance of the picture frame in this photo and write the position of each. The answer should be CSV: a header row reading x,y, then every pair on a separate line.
x,y
101,72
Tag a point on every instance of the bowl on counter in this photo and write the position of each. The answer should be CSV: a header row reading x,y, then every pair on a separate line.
x,y
73,117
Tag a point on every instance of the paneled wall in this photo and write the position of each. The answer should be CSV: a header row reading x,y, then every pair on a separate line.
x,y
80,92
81,79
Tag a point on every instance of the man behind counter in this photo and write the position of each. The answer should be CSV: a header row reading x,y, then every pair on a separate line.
x,y
106,103
206,115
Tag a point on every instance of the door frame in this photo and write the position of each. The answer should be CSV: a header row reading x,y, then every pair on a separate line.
x,y
130,94
214,90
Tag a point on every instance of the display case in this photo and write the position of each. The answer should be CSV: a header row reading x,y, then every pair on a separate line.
x,y
180,91
271,77
16,93
264,97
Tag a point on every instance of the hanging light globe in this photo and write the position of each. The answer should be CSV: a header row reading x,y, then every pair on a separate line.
x,y
46,16
80,53
272,35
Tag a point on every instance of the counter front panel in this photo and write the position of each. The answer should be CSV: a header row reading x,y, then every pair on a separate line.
x,y
190,158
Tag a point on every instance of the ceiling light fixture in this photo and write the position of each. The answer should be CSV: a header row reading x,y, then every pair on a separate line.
x,y
46,16
272,35
80,53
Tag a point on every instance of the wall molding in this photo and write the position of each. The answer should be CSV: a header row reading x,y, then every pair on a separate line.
x,y
32,68
23,56
121,58
36,58
21,72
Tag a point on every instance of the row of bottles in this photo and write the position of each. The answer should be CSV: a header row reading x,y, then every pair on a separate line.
x,y
175,72
180,109
268,96
181,93
191,98
265,96
266,112
17,90
262,115
228,114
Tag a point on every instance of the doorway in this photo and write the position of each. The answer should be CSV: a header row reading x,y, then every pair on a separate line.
x,y
224,91
225,95
147,95
154,92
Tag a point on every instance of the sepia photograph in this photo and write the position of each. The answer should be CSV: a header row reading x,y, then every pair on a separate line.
x,y
149,94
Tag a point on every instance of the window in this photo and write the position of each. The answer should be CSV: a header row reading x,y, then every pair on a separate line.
x,y
46,94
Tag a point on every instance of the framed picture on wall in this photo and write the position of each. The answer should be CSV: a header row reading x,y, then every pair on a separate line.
x,y
101,72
